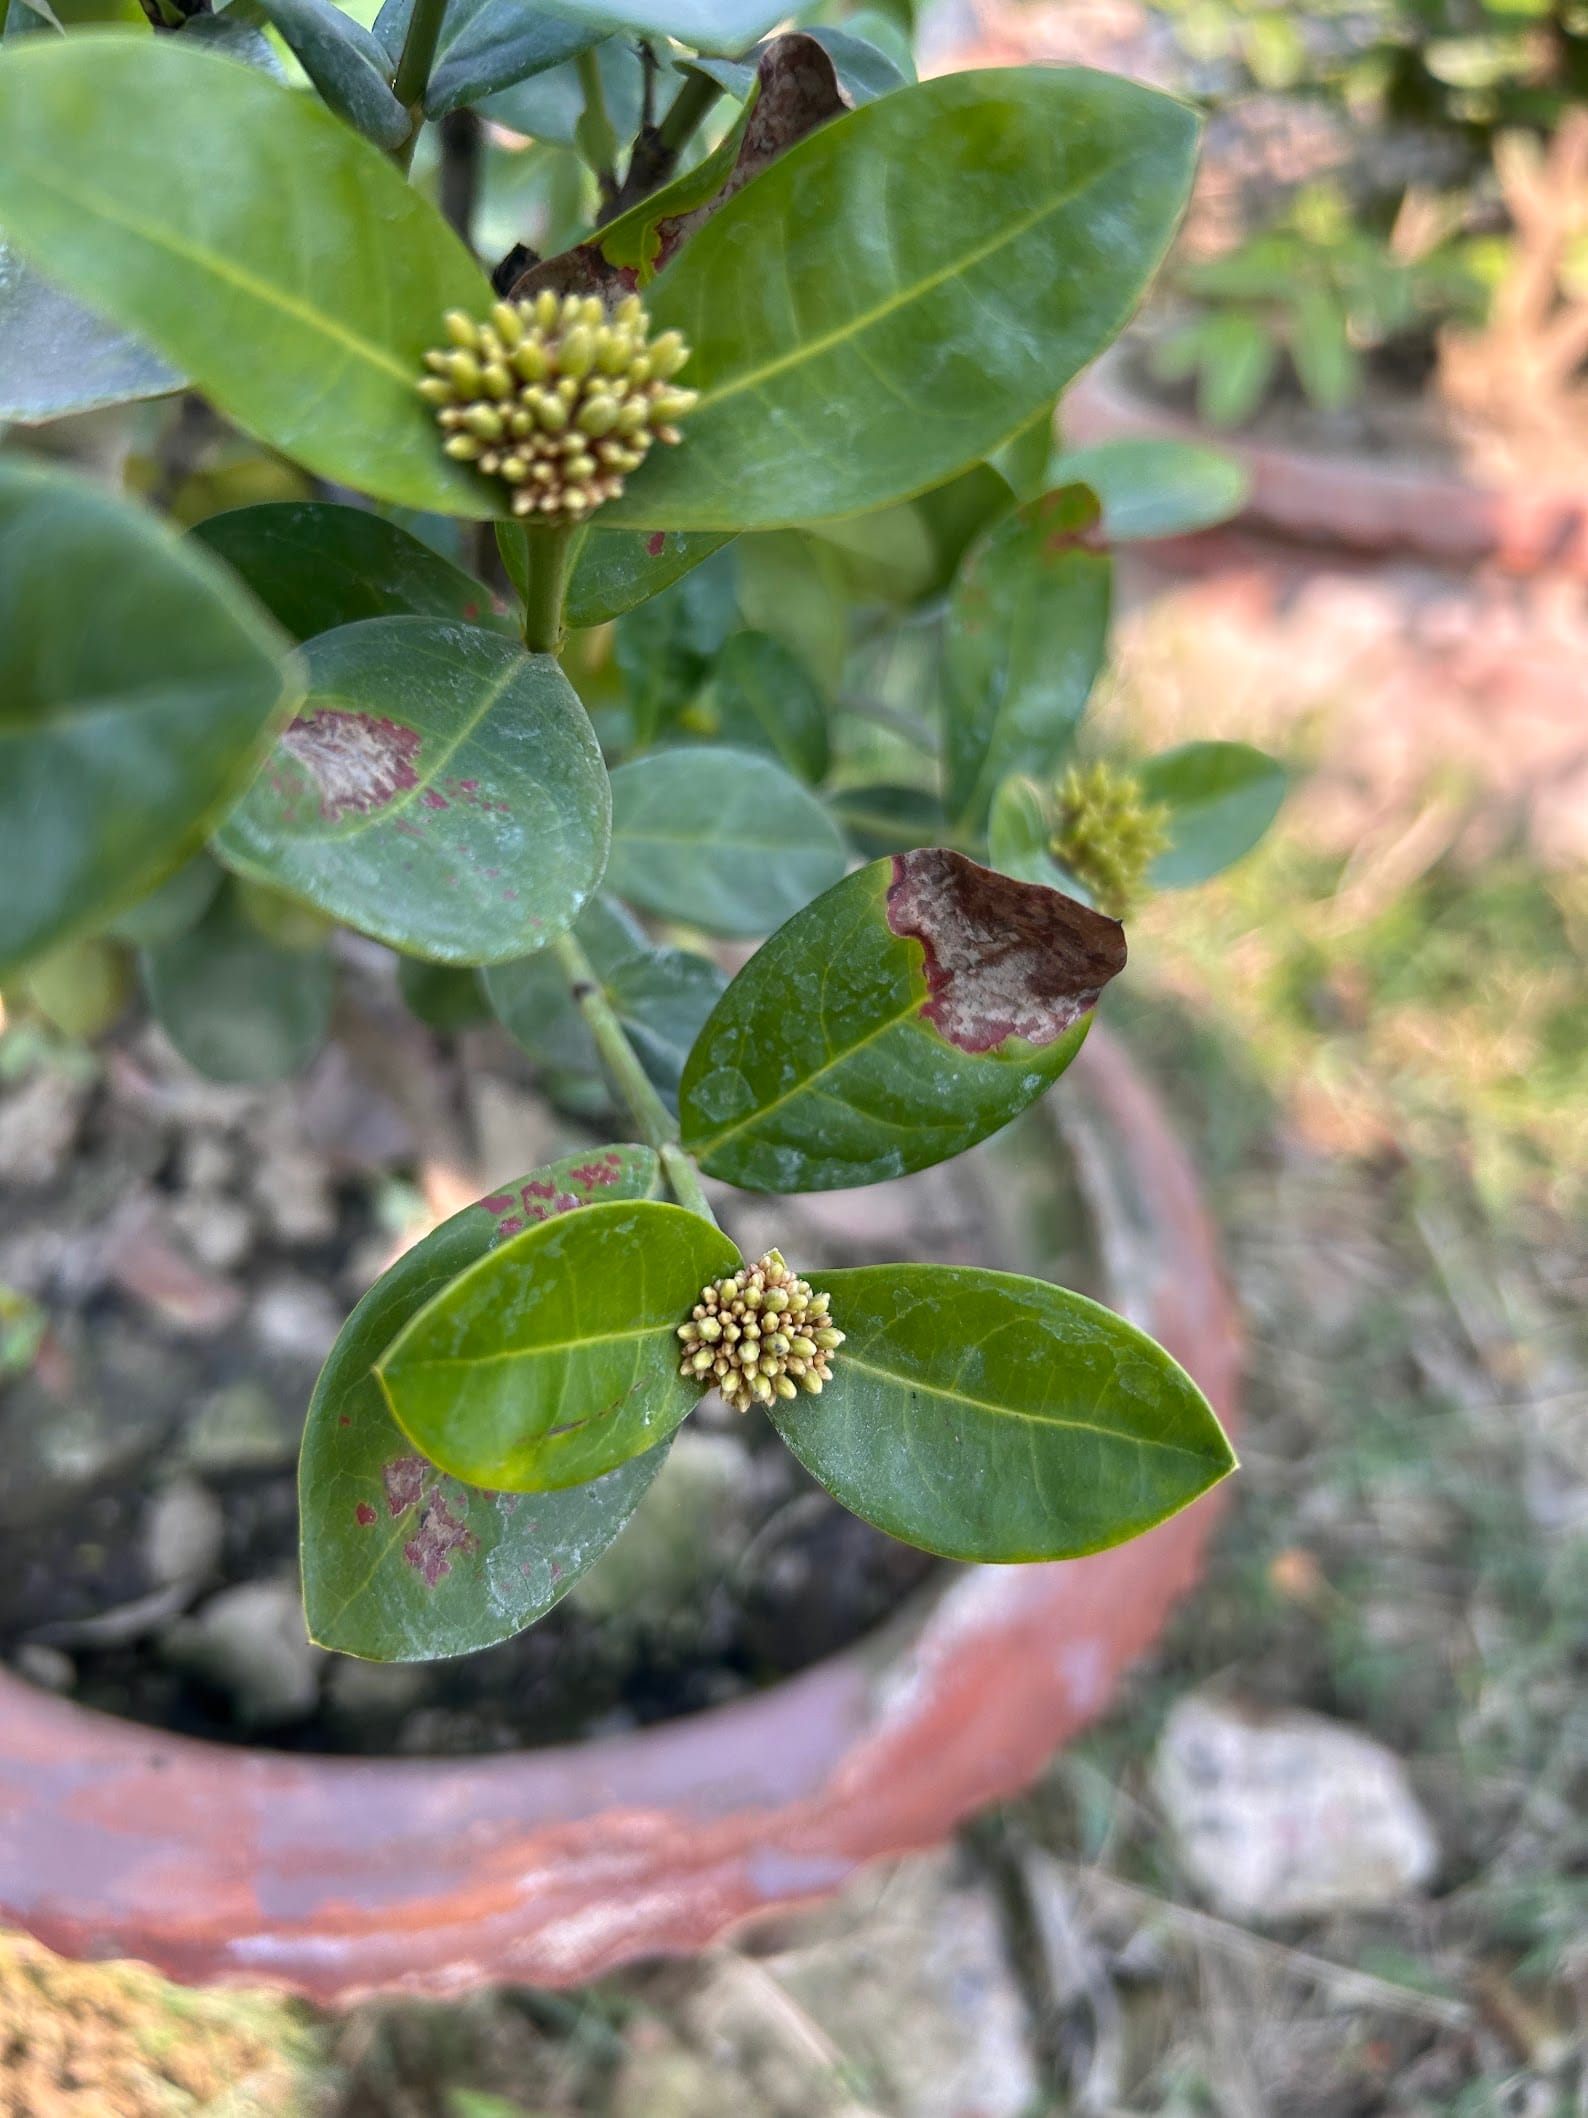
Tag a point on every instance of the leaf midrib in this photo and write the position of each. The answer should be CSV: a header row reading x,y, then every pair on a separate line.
x,y
521,1353
922,1388
708,1146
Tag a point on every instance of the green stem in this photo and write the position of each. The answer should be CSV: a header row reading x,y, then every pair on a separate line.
x,y
5,11
652,1119
598,143
686,110
548,554
412,77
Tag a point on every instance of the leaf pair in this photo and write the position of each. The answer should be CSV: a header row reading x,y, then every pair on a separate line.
x,y
878,345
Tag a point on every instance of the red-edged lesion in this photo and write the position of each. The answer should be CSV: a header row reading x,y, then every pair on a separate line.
x,y
357,761
1002,958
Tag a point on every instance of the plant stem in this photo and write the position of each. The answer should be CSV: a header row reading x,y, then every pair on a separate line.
x,y
658,147
548,551
461,154
597,141
685,112
652,1119
412,77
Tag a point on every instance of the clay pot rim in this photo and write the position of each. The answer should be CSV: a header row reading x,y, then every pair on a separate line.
x,y
336,1877
1368,504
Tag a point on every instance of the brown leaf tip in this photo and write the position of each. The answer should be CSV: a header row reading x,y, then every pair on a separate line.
x,y
1002,958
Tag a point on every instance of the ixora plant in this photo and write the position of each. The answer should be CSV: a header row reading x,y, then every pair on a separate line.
x,y
836,337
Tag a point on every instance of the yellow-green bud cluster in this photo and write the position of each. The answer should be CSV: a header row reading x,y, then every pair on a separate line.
x,y
556,397
760,1334
1106,835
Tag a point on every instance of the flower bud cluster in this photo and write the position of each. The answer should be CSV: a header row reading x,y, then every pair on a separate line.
x,y
556,397
1107,835
759,1334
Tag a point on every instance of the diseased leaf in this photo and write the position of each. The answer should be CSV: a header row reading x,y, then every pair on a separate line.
x,y
1018,218
722,839
556,1358
1152,488
301,327
400,1562
1221,797
315,566
439,789
914,1009
138,687
1027,632
56,357
237,1006
617,570
994,1418
763,698
345,63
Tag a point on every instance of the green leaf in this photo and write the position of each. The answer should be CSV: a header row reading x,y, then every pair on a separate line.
x,y
664,649
1153,488
401,1563
617,570
1027,632
660,996
171,908
442,995
1321,351
865,71
549,106
315,566
1221,797
994,1418
556,1358
911,1011
298,281
722,839
873,354
137,689
885,819
488,45
763,698
440,789
237,1006
1019,829
707,25
345,63
56,357
1237,358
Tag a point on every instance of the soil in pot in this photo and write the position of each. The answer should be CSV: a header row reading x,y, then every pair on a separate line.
x,y
195,1250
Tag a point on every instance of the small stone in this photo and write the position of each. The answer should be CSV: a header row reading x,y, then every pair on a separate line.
x,y
240,1428
215,1232
662,2078
207,1163
1288,1815
38,1126
184,1529
292,1186
143,1263
47,1667
295,1318
250,1642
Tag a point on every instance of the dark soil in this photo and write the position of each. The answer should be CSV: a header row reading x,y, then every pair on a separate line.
x,y
189,1307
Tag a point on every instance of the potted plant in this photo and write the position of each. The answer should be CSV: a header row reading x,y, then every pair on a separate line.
x,y
771,383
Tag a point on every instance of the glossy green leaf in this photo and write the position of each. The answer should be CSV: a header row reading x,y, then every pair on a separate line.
x,y
1036,206
722,839
555,1358
1019,829
885,819
1221,797
994,1418
171,908
345,63
660,996
1027,632
400,1562
1154,488
137,688
911,1011
763,698
664,649
707,25
617,570
264,281
488,45
238,1007
315,566
1022,461
440,789
548,106
865,72
56,357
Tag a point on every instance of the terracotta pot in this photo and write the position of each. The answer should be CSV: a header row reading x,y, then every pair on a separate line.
x,y
1363,503
334,1877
